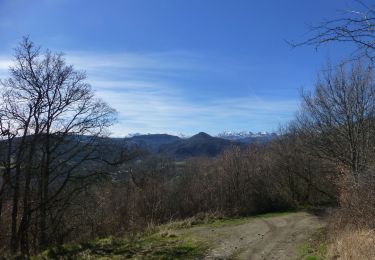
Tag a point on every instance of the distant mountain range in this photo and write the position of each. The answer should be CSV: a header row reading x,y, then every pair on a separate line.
x,y
201,144
247,136
178,147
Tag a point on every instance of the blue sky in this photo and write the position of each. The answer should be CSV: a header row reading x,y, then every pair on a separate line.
x,y
182,66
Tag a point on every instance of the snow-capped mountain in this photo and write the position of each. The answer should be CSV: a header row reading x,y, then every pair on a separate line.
x,y
241,137
183,136
132,135
245,136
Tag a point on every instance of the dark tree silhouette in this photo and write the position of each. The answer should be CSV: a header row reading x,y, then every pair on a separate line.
x,y
52,124
337,119
356,26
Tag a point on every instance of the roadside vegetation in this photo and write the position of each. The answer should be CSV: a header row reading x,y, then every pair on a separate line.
x,y
315,248
147,245
342,112
168,241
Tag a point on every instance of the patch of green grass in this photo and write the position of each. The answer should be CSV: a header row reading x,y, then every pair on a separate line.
x,y
276,214
180,163
242,220
158,245
315,248
213,220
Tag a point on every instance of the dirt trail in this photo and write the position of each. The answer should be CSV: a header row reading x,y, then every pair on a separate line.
x,y
260,238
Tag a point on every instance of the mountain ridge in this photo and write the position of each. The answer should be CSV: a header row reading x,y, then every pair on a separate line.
x,y
200,144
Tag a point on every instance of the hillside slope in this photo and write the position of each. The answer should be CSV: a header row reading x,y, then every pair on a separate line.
x,y
152,142
200,144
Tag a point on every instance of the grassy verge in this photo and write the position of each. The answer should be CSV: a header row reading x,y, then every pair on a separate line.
x,y
156,245
316,247
242,220
219,221
161,242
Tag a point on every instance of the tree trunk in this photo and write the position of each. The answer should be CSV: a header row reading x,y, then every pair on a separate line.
x,y
44,193
14,238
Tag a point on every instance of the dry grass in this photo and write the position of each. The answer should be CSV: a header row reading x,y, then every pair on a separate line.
x,y
352,226
353,244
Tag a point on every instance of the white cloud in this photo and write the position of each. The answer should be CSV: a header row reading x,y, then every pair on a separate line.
x,y
142,61
160,63
146,91
151,112
4,66
5,63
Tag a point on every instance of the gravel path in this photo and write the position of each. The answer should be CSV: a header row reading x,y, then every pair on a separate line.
x,y
259,238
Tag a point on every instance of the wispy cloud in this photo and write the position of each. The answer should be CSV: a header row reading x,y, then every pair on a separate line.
x,y
151,94
154,93
5,62
145,112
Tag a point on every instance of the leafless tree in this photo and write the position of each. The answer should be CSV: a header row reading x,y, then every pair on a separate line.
x,y
58,126
6,139
356,26
337,119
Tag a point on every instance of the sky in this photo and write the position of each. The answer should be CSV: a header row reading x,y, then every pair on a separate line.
x,y
182,66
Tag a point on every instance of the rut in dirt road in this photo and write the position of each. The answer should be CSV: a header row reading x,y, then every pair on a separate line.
x,y
260,238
